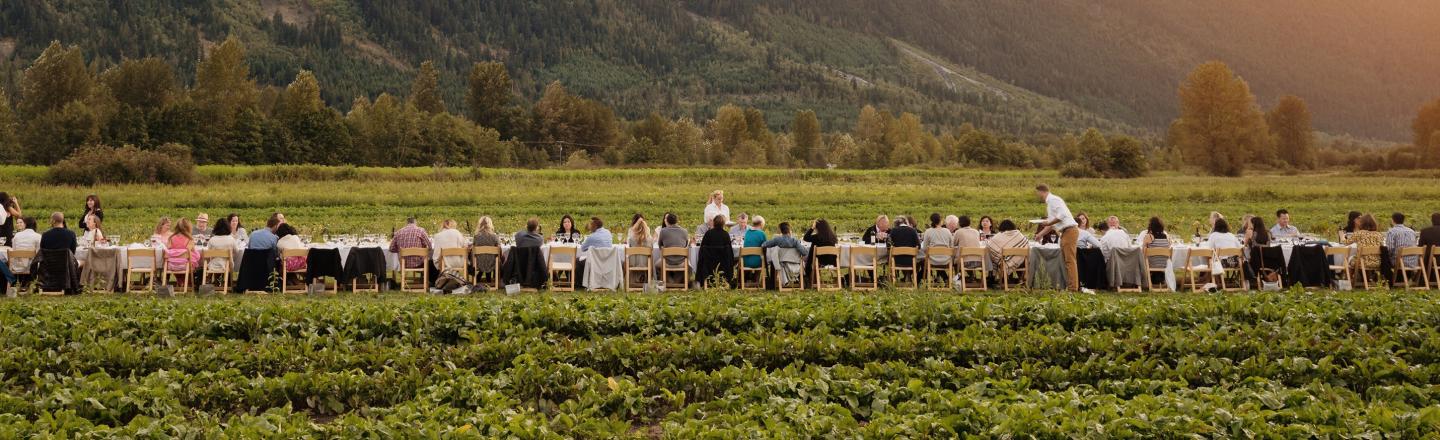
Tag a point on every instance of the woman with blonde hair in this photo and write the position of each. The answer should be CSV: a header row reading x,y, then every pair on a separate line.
x,y
715,206
485,236
180,252
639,236
163,230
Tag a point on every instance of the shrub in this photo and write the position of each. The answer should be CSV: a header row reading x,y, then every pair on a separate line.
x,y
1078,169
100,164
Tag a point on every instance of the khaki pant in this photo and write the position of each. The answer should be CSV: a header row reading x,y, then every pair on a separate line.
x,y
1068,241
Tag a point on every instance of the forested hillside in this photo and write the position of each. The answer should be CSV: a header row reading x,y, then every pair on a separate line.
x,y
1112,64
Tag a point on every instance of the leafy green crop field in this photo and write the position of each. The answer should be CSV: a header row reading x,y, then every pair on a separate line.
x,y
723,365
322,200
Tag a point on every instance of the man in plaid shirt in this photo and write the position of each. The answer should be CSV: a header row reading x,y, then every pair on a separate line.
x,y
410,236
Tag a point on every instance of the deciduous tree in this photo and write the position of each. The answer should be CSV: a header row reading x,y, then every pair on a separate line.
x,y
1220,128
425,93
1291,133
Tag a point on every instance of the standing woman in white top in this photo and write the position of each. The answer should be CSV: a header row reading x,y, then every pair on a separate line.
x,y
9,211
1059,218
716,206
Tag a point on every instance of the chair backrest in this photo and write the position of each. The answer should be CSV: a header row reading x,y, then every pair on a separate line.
x,y
636,251
1229,252
485,250
303,253
562,251
1337,251
675,252
972,252
827,250
1412,251
414,252
22,253
1015,252
454,252
1366,251
1157,252
216,253
135,255
940,250
752,252
904,252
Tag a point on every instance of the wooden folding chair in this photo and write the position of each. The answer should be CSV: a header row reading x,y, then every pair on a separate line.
x,y
1191,269
759,272
1422,280
1434,262
206,273
285,285
423,271
981,275
463,253
28,254
648,268
945,270
860,270
1337,260
182,278
1006,269
1151,270
565,266
819,272
1365,269
895,269
132,259
683,268
1237,271
798,281
475,253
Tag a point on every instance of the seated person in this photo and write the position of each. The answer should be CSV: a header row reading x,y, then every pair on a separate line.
x,y
485,236
1283,229
673,236
180,254
25,239
1008,238
1400,236
1257,234
264,238
1087,238
449,238
1367,235
742,225
58,237
639,236
567,232
202,229
785,240
903,235
530,237
1115,237
163,230
937,235
221,238
93,237
821,235
878,232
1155,237
290,240
411,236
754,237
716,258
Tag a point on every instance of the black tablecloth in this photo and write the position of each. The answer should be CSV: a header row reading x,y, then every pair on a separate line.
x,y
1091,262
323,263
525,266
362,261
1308,267
255,269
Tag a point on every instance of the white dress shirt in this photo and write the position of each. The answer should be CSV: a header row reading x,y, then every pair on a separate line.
x,y
1116,239
1055,209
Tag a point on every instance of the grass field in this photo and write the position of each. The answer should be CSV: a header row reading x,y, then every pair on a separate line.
x,y
348,200
723,365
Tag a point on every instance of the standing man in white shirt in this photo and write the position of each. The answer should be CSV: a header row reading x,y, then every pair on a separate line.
x,y
715,207
1059,219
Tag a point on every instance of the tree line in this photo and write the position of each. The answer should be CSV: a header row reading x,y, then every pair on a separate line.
x,y
227,118
1223,131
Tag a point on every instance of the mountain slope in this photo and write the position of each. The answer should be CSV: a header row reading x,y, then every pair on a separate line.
x,y
1024,67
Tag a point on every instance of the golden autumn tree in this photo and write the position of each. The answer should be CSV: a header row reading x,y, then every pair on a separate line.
x,y
1220,128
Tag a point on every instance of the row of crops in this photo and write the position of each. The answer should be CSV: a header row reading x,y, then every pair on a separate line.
x,y
892,364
